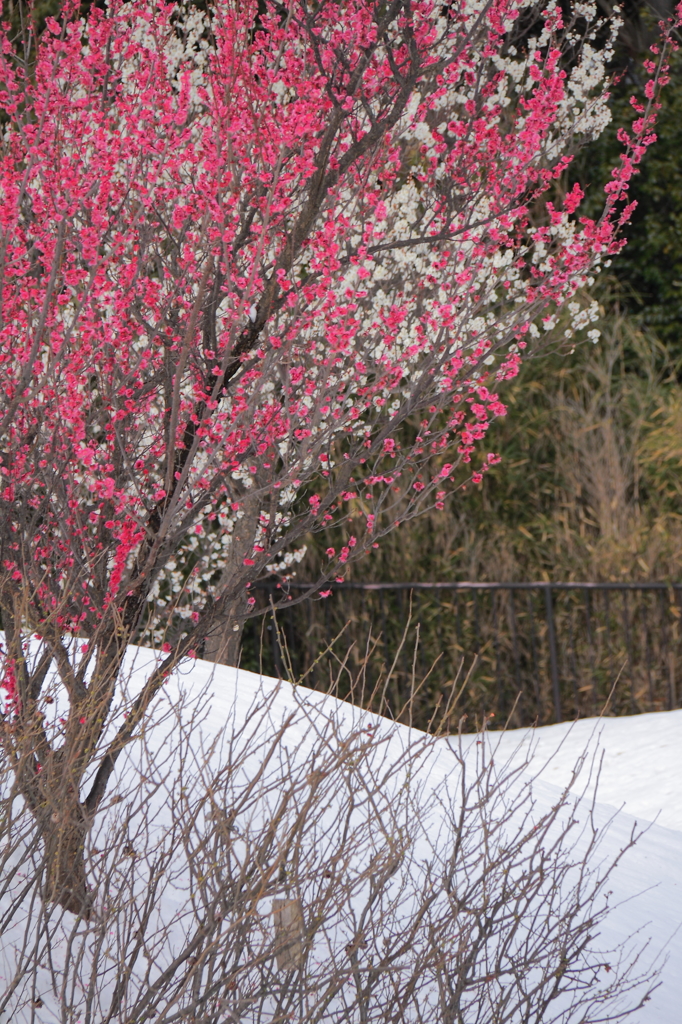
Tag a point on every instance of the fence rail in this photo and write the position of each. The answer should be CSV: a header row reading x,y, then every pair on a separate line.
x,y
534,651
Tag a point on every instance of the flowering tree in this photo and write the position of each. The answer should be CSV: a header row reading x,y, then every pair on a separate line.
x,y
238,250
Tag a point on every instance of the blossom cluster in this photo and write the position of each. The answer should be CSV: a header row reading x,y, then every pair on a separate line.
x,y
239,250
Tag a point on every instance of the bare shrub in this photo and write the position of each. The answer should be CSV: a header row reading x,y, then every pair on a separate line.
x,y
312,862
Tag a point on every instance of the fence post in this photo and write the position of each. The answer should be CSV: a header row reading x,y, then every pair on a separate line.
x,y
551,640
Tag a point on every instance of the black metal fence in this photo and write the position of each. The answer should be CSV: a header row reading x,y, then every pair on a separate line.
x,y
532,651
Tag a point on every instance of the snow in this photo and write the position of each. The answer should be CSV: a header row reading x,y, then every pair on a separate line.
x,y
640,774
642,767
640,777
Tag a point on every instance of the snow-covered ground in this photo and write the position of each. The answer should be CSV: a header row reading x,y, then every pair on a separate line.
x,y
640,778
642,766
641,775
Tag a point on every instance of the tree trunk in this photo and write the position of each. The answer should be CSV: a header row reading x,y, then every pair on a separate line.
x,y
223,645
65,877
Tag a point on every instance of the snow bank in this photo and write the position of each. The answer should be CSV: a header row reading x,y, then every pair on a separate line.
x,y
639,757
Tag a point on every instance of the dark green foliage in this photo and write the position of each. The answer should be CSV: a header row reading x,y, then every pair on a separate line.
x,y
649,269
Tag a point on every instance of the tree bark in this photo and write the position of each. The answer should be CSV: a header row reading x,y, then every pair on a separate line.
x,y
65,883
223,645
